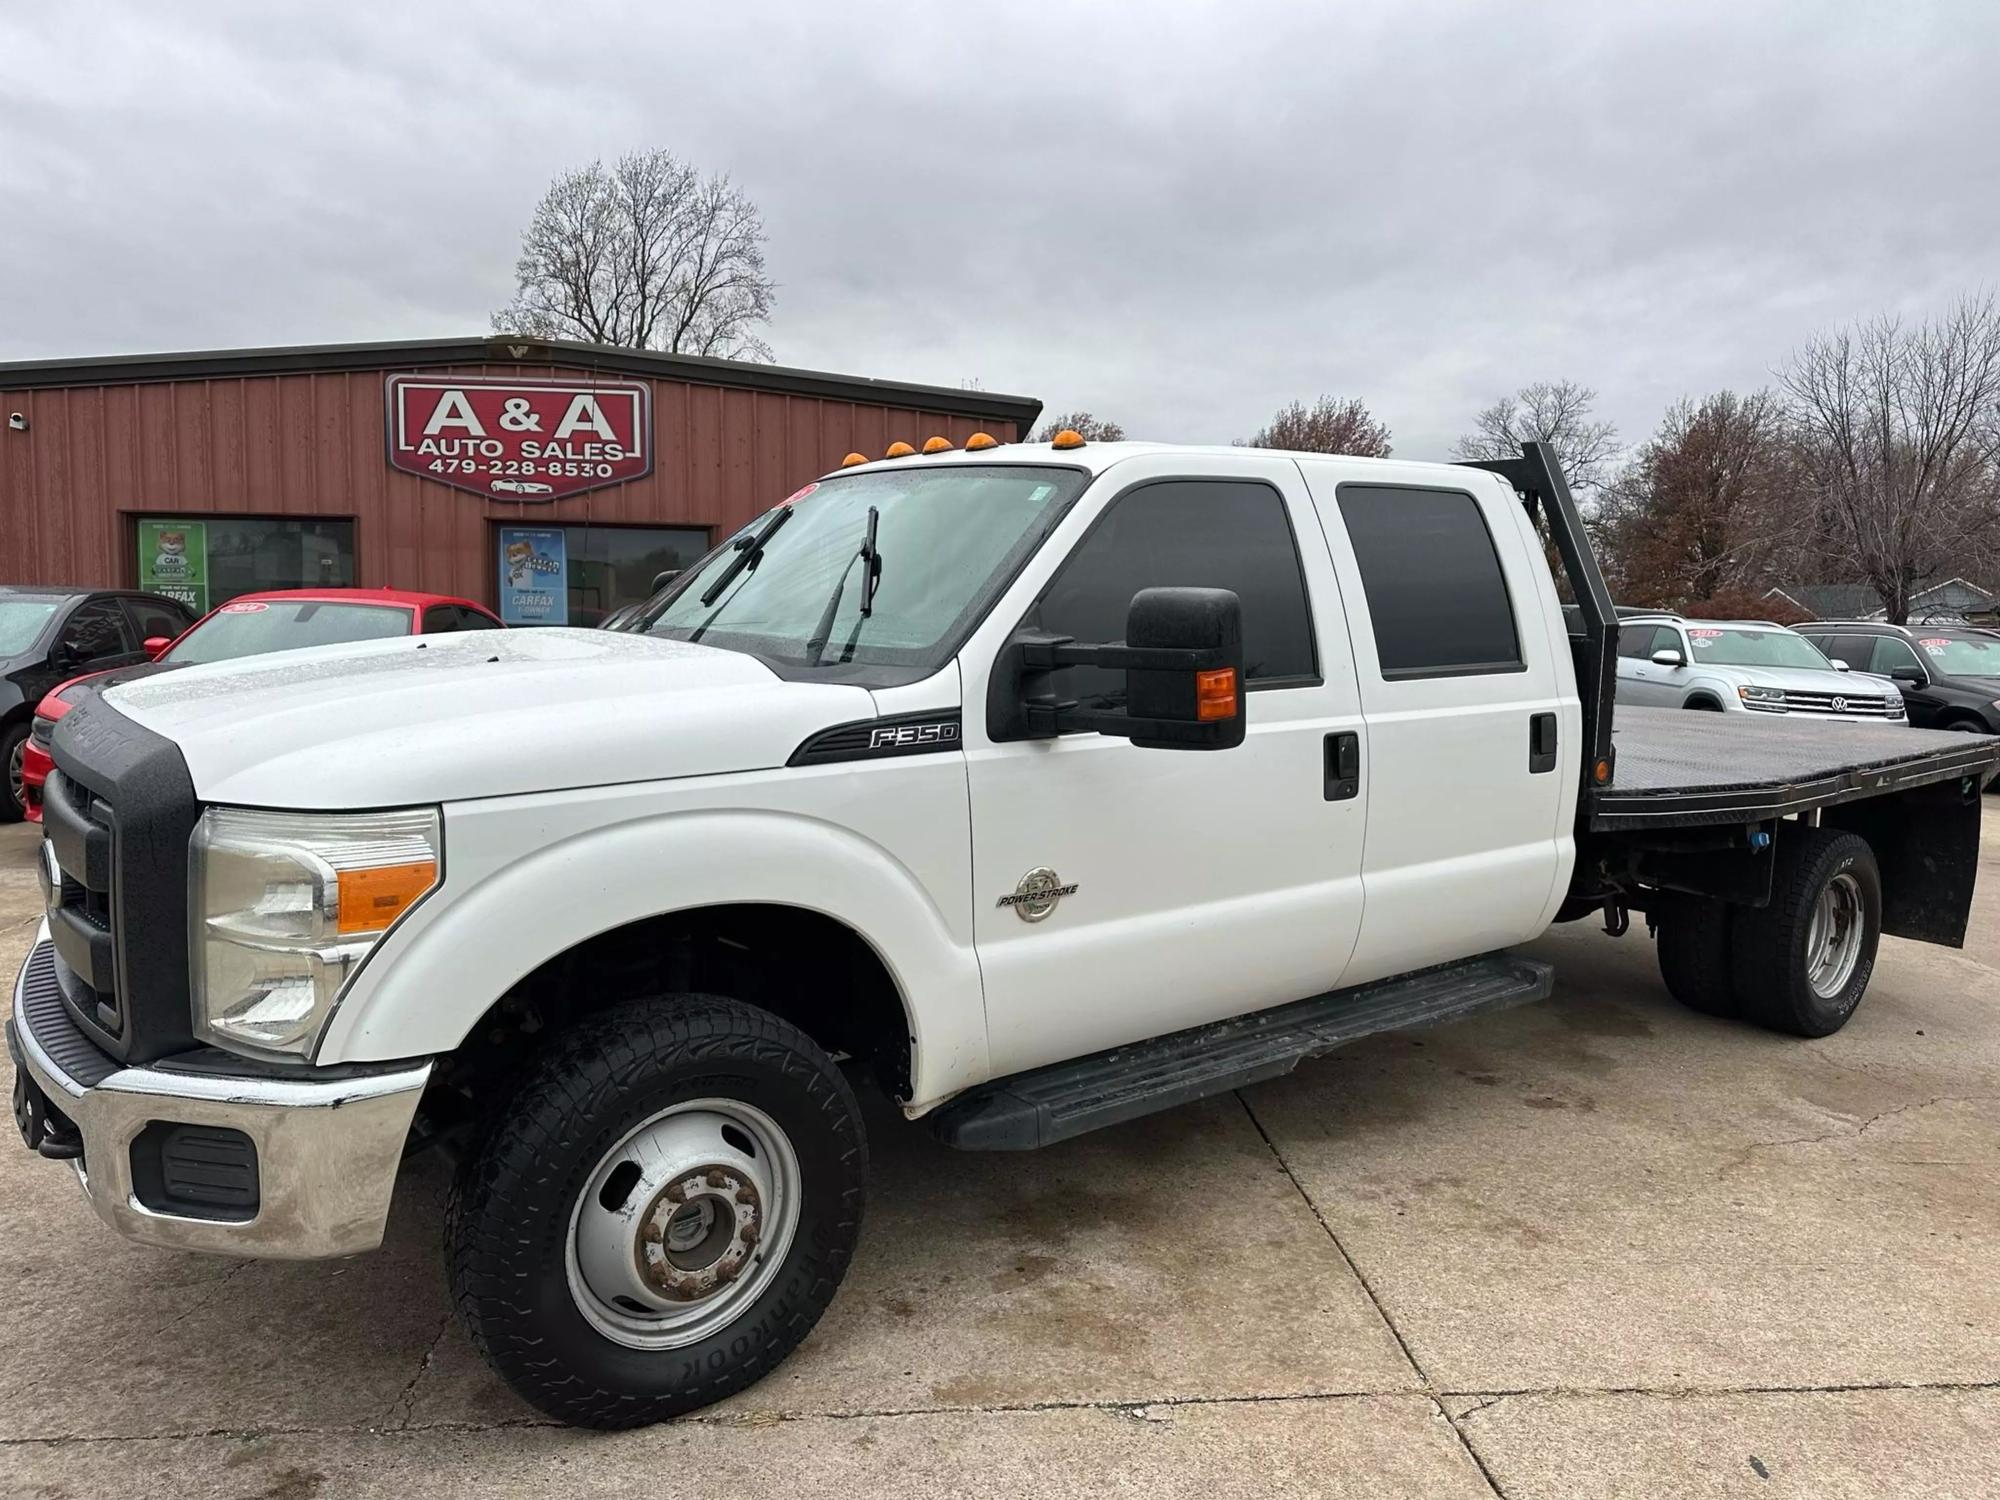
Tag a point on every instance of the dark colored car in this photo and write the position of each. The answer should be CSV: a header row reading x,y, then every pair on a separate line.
x,y
1949,674
48,635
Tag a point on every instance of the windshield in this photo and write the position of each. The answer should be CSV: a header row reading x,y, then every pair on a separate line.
x,y
1961,656
1724,646
946,539
250,627
21,620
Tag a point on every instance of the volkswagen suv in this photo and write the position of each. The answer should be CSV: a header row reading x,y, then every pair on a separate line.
x,y
1743,666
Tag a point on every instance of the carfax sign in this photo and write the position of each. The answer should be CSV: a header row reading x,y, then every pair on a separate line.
x,y
520,440
534,583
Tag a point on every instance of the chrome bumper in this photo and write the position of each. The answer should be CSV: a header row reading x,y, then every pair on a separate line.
x,y
327,1149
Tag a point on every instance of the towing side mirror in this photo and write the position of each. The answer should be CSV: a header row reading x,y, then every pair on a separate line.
x,y
1182,657
1668,657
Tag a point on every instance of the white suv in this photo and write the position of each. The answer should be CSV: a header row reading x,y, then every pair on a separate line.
x,y
1743,666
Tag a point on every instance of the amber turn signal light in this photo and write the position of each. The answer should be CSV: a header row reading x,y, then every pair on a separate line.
x,y
981,440
937,445
1215,694
371,899
1601,772
899,450
1069,437
852,459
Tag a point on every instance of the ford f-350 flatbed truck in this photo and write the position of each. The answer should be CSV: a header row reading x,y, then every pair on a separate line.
x,y
1045,785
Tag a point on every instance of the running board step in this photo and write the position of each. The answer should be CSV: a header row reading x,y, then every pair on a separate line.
x,y
1108,1088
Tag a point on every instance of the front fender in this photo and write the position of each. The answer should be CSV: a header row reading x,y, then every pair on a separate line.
x,y
503,910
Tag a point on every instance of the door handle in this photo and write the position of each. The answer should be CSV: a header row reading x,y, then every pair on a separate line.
x,y
1541,743
1343,766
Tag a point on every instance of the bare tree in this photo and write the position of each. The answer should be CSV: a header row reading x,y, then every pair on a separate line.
x,y
1329,425
1701,516
1552,412
1897,434
648,254
1091,428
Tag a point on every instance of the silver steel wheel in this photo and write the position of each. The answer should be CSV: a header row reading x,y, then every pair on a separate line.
x,y
1834,936
683,1223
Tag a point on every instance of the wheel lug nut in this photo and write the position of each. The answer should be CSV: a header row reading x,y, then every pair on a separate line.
x,y
717,1177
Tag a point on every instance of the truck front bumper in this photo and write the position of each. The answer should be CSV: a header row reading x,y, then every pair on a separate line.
x,y
290,1168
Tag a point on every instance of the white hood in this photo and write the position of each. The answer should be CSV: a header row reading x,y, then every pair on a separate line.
x,y
482,714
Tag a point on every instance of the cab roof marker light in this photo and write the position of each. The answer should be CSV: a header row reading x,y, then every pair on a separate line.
x,y
1069,437
937,445
852,459
980,441
899,450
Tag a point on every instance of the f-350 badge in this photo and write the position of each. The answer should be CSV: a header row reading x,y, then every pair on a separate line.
x,y
1037,894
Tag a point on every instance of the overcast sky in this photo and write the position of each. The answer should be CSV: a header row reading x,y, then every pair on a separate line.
x,y
1179,216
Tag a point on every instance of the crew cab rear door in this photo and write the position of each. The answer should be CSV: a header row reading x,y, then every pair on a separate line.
x,y
1195,885
1472,747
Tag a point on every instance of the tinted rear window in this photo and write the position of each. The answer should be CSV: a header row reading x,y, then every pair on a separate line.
x,y
1435,592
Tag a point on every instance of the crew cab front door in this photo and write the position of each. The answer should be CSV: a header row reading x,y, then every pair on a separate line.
x,y
1193,885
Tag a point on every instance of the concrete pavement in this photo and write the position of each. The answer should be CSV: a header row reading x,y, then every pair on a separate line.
x,y
1599,1247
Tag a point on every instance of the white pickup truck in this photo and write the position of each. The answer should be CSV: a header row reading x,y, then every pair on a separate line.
x,y
1045,786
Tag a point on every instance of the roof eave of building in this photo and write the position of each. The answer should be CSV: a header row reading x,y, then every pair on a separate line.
x,y
508,349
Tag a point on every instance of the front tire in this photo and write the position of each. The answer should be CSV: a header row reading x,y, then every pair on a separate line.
x,y
1803,963
662,1213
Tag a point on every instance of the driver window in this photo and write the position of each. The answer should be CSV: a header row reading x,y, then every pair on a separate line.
x,y
95,631
1186,533
1892,655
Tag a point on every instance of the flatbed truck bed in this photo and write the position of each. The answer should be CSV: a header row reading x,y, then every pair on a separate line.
x,y
1680,769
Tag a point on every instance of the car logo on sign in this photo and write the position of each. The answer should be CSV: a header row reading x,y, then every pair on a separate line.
x,y
1037,894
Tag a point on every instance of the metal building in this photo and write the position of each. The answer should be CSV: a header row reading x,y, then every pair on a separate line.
x,y
426,465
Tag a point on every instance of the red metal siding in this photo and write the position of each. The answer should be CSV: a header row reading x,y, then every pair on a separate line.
x,y
313,445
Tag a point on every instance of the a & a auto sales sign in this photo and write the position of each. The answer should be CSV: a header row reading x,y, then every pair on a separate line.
x,y
519,439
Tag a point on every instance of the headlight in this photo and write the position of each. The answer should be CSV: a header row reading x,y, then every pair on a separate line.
x,y
286,905
1761,694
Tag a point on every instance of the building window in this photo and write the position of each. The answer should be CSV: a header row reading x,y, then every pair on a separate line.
x,y
1435,592
209,560
576,575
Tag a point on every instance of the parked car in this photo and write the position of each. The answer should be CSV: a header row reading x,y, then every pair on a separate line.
x,y
1949,675
250,625
48,634
942,768
1742,666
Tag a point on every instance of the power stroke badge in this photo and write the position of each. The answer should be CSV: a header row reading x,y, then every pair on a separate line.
x,y
1037,894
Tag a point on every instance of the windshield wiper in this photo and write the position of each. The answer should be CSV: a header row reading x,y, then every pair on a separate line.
x,y
871,573
747,552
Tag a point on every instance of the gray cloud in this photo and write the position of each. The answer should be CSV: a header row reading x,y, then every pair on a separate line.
x,y
1180,216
